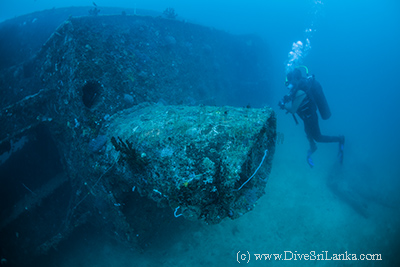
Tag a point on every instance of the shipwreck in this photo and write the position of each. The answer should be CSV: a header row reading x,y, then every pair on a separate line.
x,y
119,115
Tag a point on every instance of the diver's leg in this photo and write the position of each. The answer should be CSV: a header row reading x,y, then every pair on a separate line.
x,y
328,139
317,136
308,128
341,148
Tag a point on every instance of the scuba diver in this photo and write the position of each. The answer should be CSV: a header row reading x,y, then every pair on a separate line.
x,y
304,98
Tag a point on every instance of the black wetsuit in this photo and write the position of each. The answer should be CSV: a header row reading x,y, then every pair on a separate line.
x,y
307,111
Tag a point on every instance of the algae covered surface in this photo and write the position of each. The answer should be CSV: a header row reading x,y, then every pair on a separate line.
x,y
78,105
198,160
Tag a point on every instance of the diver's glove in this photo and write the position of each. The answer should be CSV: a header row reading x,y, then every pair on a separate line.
x,y
281,104
284,100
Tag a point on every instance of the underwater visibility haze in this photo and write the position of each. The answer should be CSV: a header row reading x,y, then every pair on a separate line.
x,y
348,211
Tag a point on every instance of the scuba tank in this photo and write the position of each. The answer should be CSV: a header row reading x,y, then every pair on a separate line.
x,y
317,95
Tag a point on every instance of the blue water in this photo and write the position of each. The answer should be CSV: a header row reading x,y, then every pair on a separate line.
x,y
354,53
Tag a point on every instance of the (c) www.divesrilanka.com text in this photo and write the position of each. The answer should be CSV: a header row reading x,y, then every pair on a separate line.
x,y
245,257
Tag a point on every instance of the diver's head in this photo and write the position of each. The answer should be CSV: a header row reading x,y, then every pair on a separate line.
x,y
293,78
294,75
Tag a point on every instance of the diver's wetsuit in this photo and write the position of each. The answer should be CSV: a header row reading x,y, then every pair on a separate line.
x,y
307,111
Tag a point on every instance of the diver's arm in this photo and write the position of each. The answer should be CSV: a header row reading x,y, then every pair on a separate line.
x,y
295,103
